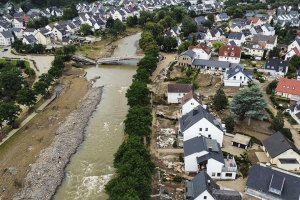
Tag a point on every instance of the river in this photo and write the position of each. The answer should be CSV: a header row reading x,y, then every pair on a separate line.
x,y
92,166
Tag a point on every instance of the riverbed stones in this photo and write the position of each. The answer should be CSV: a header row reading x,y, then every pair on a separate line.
x,y
47,172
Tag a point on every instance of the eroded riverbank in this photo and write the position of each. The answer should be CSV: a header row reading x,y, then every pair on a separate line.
x,y
47,172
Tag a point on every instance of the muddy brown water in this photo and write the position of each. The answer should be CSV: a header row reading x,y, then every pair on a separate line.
x,y
92,166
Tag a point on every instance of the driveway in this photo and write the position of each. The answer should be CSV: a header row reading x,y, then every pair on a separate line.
x,y
43,62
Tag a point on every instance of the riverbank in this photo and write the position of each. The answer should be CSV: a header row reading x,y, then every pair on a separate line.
x,y
47,172
24,147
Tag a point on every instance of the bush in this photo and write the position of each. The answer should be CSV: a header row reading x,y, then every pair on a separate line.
x,y
177,179
287,133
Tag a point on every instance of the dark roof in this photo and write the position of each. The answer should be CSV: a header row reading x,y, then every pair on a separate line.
x,y
226,195
30,38
7,34
211,63
180,88
199,20
198,113
276,64
277,144
200,183
267,180
189,53
231,72
235,35
269,39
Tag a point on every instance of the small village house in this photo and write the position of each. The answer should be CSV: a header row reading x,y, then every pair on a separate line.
x,y
288,88
177,91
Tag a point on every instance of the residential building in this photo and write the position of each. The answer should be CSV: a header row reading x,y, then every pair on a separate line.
x,y
294,111
189,102
199,122
186,58
270,183
230,53
254,50
203,187
205,154
6,38
222,17
275,67
282,152
265,41
211,65
237,77
177,91
202,51
237,37
293,49
288,88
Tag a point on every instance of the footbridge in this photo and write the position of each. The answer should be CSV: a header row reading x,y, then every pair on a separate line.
x,y
109,60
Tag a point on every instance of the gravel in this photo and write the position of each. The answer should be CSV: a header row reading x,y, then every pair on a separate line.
x,y
47,173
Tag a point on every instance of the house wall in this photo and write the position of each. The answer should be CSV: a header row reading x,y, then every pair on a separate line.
x,y
175,97
205,195
189,106
229,59
184,60
288,154
240,80
212,131
5,41
190,162
289,96
201,54
213,168
42,39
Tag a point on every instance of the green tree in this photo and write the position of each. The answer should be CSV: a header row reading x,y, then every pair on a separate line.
x,y
184,46
138,121
278,122
217,44
142,75
294,64
148,62
271,87
138,94
211,17
249,103
109,23
220,100
188,26
169,44
229,124
85,29
207,23
154,28
9,111
11,81
26,96
274,53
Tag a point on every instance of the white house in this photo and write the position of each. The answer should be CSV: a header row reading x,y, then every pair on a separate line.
x,y
254,50
268,29
18,23
201,153
293,49
294,111
177,91
203,187
282,152
230,53
237,77
198,122
6,38
29,39
265,41
288,88
237,37
189,102
202,51
276,67
222,17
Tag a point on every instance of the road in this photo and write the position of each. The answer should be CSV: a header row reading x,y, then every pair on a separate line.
x,y
43,62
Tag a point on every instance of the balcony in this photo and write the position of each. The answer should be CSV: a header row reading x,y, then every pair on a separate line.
x,y
230,165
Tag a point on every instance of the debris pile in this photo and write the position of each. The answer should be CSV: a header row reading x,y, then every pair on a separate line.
x,y
166,138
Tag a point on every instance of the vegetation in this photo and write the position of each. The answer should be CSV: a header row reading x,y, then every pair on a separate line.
x,y
85,29
27,48
220,100
133,164
294,64
229,124
271,87
249,103
278,122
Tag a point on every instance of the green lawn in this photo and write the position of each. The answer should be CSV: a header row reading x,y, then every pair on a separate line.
x,y
13,61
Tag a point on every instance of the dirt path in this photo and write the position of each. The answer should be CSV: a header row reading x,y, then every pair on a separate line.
x,y
23,148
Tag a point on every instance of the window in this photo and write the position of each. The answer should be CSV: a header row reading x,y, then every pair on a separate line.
x,y
228,174
200,129
218,174
206,129
192,104
241,77
209,136
234,77
205,197
213,174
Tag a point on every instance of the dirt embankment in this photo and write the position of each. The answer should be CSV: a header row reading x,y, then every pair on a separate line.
x,y
23,149
47,172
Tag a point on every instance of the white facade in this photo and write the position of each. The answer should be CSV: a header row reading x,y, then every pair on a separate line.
x,y
237,80
205,128
201,54
204,196
175,97
230,59
17,23
189,106
289,96
4,41
293,49
238,42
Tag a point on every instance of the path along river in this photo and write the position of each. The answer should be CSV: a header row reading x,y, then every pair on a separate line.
x,y
91,167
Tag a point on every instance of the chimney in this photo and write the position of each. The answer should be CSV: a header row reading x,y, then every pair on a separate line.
x,y
195,111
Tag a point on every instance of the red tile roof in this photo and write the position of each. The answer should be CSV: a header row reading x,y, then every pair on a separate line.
x,y
297,52
230,51
202,46
289,86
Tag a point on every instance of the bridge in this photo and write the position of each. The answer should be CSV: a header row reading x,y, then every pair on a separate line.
x,y
109,60
117,59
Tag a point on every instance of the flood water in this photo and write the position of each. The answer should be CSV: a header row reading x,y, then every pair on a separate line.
x,y
91,167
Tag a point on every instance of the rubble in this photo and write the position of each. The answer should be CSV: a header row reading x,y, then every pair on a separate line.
x,y
47,172
166,137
